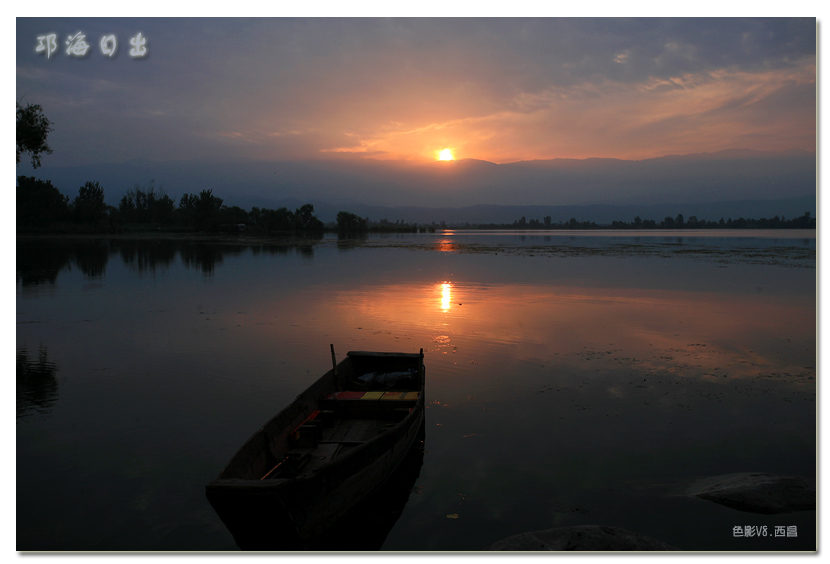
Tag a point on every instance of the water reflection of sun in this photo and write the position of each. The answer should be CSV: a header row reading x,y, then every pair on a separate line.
x,y
445,245
446,296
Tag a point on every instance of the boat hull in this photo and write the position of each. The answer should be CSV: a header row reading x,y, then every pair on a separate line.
x,y
296,513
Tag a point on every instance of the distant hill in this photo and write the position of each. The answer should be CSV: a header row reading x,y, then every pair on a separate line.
x,y
788,208
708,185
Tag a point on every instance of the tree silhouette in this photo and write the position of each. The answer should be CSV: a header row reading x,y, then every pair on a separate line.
x,y
305,220
348,223
200,212
39,203
146,206
32,129
89,206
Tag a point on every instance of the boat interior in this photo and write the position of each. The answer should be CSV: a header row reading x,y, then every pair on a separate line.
x,y
375,401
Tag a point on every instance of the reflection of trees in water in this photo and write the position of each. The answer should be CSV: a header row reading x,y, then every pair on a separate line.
x,y
202,256
37,387
346,242
91,257
40,261
146,256
257,250
206,256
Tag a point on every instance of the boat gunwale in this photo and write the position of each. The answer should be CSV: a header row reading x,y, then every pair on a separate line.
x,y
331,375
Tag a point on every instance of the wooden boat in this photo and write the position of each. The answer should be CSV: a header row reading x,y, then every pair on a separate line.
x,y
316,459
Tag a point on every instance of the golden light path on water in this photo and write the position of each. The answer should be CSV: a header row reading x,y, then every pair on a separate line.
x,y
702,335
446,296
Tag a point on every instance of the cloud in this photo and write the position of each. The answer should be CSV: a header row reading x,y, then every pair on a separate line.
x,y
497,89
765,110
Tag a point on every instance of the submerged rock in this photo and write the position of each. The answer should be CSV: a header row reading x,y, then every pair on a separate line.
x,y
759,492
581,538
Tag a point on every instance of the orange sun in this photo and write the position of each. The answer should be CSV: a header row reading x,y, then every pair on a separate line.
x,y
445,155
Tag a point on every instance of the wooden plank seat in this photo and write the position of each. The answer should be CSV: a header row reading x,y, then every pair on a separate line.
x,y
360,404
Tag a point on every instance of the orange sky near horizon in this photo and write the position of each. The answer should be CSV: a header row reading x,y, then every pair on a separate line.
x,y
692,113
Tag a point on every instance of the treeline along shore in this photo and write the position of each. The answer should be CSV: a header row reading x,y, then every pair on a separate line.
x,y
805,221
42,208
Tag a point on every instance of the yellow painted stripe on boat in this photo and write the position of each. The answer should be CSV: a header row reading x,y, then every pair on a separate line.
x,y
372,395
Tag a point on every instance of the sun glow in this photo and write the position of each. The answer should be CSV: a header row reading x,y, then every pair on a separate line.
x,y
445,155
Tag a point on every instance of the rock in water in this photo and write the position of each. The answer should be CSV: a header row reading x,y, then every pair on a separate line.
x,y
582,538
761,493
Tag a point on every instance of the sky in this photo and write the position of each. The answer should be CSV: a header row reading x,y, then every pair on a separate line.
x,y
403,89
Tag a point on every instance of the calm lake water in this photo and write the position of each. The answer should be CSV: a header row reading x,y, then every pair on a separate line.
x,y
572,378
